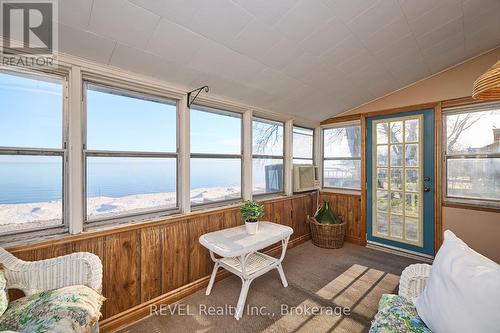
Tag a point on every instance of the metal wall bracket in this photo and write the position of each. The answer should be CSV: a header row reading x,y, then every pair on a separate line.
x,y
197,91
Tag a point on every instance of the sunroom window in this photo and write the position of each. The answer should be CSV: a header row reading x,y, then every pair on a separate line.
x,y
342,157
32,152
130,154
268,156
303,139
472,154
216,154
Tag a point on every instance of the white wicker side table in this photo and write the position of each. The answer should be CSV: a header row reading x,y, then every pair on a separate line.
x,y
238,252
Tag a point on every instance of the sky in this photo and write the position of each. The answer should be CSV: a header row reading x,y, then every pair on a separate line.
x,y
31,117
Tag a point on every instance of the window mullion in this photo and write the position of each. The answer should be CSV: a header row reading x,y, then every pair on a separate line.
x,y
247,180
75,188
288,158
184,162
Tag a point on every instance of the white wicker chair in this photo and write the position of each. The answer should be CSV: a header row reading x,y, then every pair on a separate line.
x,y
413,280
31,277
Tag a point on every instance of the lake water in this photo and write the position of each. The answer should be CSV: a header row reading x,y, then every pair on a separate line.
x,y
27,179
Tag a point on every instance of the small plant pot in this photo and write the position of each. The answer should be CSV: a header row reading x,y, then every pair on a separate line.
x,y
252,227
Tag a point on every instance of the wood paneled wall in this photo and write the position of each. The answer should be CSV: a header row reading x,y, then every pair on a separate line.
x,y
147,260
348,207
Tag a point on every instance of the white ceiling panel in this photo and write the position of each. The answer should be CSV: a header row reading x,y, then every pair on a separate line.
x,y
150,64
447,30
220,21
75,13
312,58
326,36
374,18
439,12
223,62
388,35
178,11
347,10
303,19
175,43
267,11
281,54
85,44
123,21
250,42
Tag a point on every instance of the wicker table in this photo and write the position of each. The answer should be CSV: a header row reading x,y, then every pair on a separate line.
x,y
238,252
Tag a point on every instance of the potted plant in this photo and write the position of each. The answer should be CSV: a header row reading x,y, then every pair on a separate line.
x,y
250,213
327,229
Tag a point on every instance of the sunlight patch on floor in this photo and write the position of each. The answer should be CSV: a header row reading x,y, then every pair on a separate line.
x,y
359,288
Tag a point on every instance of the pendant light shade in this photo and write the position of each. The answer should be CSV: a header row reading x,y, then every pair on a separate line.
x,y
487,86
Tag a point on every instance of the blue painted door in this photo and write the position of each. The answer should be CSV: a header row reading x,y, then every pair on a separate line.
x,y
400,181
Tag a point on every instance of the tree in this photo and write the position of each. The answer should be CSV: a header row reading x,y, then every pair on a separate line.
x,y
456,125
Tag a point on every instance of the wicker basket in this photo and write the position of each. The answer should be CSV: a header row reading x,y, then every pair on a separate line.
x,y
330,236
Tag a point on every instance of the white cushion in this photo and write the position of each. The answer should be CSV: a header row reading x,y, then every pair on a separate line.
x,y
463,291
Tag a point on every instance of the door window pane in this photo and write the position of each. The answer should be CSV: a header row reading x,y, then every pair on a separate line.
x,y
31,192
396,202
396,179
342,173
120,122
411,130
411,155
411,179
31,114
411,228
267,175
396,132
383,201
215,179
382,182
382,158
267,137
129,185
382,224
382,133
396,226
396,155
214,131
412,204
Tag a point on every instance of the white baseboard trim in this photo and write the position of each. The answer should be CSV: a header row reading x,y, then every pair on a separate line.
x,y
401,252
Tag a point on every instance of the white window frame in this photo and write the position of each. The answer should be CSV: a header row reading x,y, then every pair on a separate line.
x,y
219,111
63,227
466,201
274,157
76,74
146,213
323,158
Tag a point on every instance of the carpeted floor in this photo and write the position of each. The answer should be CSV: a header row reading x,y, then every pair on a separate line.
x,y
343,287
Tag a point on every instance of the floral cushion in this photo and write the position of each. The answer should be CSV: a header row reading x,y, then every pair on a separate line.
x,y
397,315
4,299
68,309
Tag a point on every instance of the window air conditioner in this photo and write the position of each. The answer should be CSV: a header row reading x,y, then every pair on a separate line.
x,y
305,178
